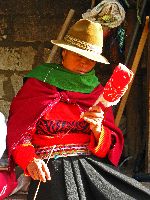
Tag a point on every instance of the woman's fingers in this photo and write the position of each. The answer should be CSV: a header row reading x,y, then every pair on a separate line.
x,y
94,116
46,170
95,124
41,173
95,128
91,121
94,112
38,170
34,175
95,108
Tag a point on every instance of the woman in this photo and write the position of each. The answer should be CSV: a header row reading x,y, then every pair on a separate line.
x,y
53,117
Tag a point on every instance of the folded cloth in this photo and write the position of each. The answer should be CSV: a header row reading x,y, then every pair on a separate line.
x,y
7,183
109,13
23,184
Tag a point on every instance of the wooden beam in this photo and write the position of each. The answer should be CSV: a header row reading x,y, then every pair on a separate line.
x,y
134,69
61,34
148,112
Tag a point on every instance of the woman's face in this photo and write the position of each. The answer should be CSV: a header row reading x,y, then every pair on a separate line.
x,y
76,63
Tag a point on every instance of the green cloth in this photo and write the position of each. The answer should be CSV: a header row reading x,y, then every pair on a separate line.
x,y
62,78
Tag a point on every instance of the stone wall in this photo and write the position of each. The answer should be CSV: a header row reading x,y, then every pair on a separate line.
x,y
26,28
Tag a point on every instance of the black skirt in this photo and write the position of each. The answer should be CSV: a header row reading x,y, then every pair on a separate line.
x,y
86,178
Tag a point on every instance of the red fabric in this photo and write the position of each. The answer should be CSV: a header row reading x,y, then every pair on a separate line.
x,y
33,101
101,148
23,155
71,138
8,183
63,112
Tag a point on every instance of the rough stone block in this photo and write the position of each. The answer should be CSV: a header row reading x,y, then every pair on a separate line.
x,y
17,58
42,7
4,107
36,28
39,20
2,79
8,7
3,28
17,82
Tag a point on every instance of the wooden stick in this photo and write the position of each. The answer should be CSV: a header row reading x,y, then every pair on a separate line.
x,y
148,116
92,4
61,34
134,69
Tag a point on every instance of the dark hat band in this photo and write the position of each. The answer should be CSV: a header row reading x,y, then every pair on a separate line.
x,y
82,44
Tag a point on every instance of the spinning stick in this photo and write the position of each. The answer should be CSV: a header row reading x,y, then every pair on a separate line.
x,y
115,87
134,68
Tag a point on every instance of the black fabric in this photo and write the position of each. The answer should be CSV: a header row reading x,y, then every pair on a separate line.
x,y
87,178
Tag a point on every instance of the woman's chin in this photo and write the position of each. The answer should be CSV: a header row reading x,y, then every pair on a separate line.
x,y
82,72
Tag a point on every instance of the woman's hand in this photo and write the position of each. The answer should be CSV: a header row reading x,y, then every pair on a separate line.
x,y
94,116
38,170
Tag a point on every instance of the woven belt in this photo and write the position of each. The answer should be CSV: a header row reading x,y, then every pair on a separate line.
x,y
63,151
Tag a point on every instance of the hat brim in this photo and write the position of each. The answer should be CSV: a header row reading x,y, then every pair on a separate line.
x,y
88,54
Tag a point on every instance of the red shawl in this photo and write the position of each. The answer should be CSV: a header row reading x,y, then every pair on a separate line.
x,y
36,97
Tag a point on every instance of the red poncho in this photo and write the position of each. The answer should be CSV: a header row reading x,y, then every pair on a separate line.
x,y
36,97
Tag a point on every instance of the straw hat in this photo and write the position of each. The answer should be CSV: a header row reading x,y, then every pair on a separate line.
x,y
85,38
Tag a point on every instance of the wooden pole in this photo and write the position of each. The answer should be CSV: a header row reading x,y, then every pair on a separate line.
x,y
134,69
148,112
92,4
61,34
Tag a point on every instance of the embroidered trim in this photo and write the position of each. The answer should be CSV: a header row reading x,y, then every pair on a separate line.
x,y
63,150
53,127
83,45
